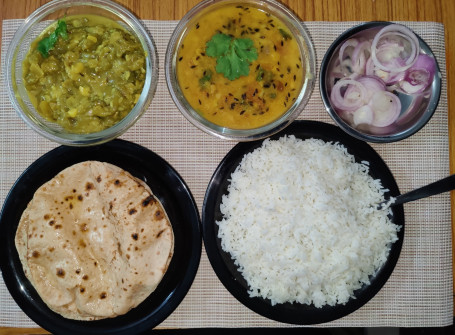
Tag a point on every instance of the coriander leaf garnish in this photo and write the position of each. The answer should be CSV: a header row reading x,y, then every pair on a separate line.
x,y
233,55
46,44
285,34
206,78
260,74
218,45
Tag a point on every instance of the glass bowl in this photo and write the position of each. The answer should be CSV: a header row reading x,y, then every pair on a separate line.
x,y
40,20
305,46
416,109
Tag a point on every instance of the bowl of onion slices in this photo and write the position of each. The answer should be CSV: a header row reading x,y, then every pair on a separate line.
x,y
380,82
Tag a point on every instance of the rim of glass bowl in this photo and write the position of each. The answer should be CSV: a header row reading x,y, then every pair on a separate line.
x,y
388,138
306,49
20,99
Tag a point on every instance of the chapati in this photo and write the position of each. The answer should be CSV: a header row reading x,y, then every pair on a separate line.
x,y
94,241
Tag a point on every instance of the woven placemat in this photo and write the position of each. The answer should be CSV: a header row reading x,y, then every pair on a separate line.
x,y
419,292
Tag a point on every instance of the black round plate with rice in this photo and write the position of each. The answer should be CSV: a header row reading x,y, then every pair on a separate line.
x,y
227,271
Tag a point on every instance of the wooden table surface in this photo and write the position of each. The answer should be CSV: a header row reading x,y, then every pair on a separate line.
x,y
308,10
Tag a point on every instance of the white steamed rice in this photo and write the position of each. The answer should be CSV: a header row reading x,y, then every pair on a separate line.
x,y
299,223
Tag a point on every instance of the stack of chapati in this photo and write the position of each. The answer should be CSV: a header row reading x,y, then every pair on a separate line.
x,y
94,241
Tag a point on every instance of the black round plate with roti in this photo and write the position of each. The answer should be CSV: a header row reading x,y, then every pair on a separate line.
x,y
227,271
166,184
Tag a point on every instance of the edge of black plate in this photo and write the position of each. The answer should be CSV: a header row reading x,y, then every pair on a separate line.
x,y
138,319
226,270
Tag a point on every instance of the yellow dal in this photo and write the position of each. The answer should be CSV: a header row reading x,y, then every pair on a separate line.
x,y
274,81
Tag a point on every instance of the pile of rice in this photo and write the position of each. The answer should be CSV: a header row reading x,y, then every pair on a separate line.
x,y
299,223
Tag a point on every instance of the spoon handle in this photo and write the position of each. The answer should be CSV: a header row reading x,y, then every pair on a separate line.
x,y
440,186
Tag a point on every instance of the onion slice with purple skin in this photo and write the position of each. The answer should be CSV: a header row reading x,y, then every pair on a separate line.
x,y
353,97
420,75
389,78
352,42
392,51
372,84
359,56
381,108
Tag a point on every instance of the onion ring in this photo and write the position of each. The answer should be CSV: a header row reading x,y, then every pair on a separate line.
x,y
352,42
401,31
345,102
420,75
386,108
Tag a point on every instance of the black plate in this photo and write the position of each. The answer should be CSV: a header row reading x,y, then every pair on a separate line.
x,y
178,202
227,271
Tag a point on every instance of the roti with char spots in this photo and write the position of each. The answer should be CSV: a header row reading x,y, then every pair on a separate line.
x,y
94,241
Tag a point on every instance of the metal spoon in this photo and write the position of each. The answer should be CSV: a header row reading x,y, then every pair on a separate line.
x,y
440,186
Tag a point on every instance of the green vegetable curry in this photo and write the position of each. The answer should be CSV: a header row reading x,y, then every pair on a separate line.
x,y
85,73
247,63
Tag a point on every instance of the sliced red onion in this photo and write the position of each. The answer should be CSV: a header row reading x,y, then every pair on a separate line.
x,y
386,108
371,69
363,115
372,84
359,57
412,89
389,78
390,51
420,75
352,42
390,47
353,97
367,100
